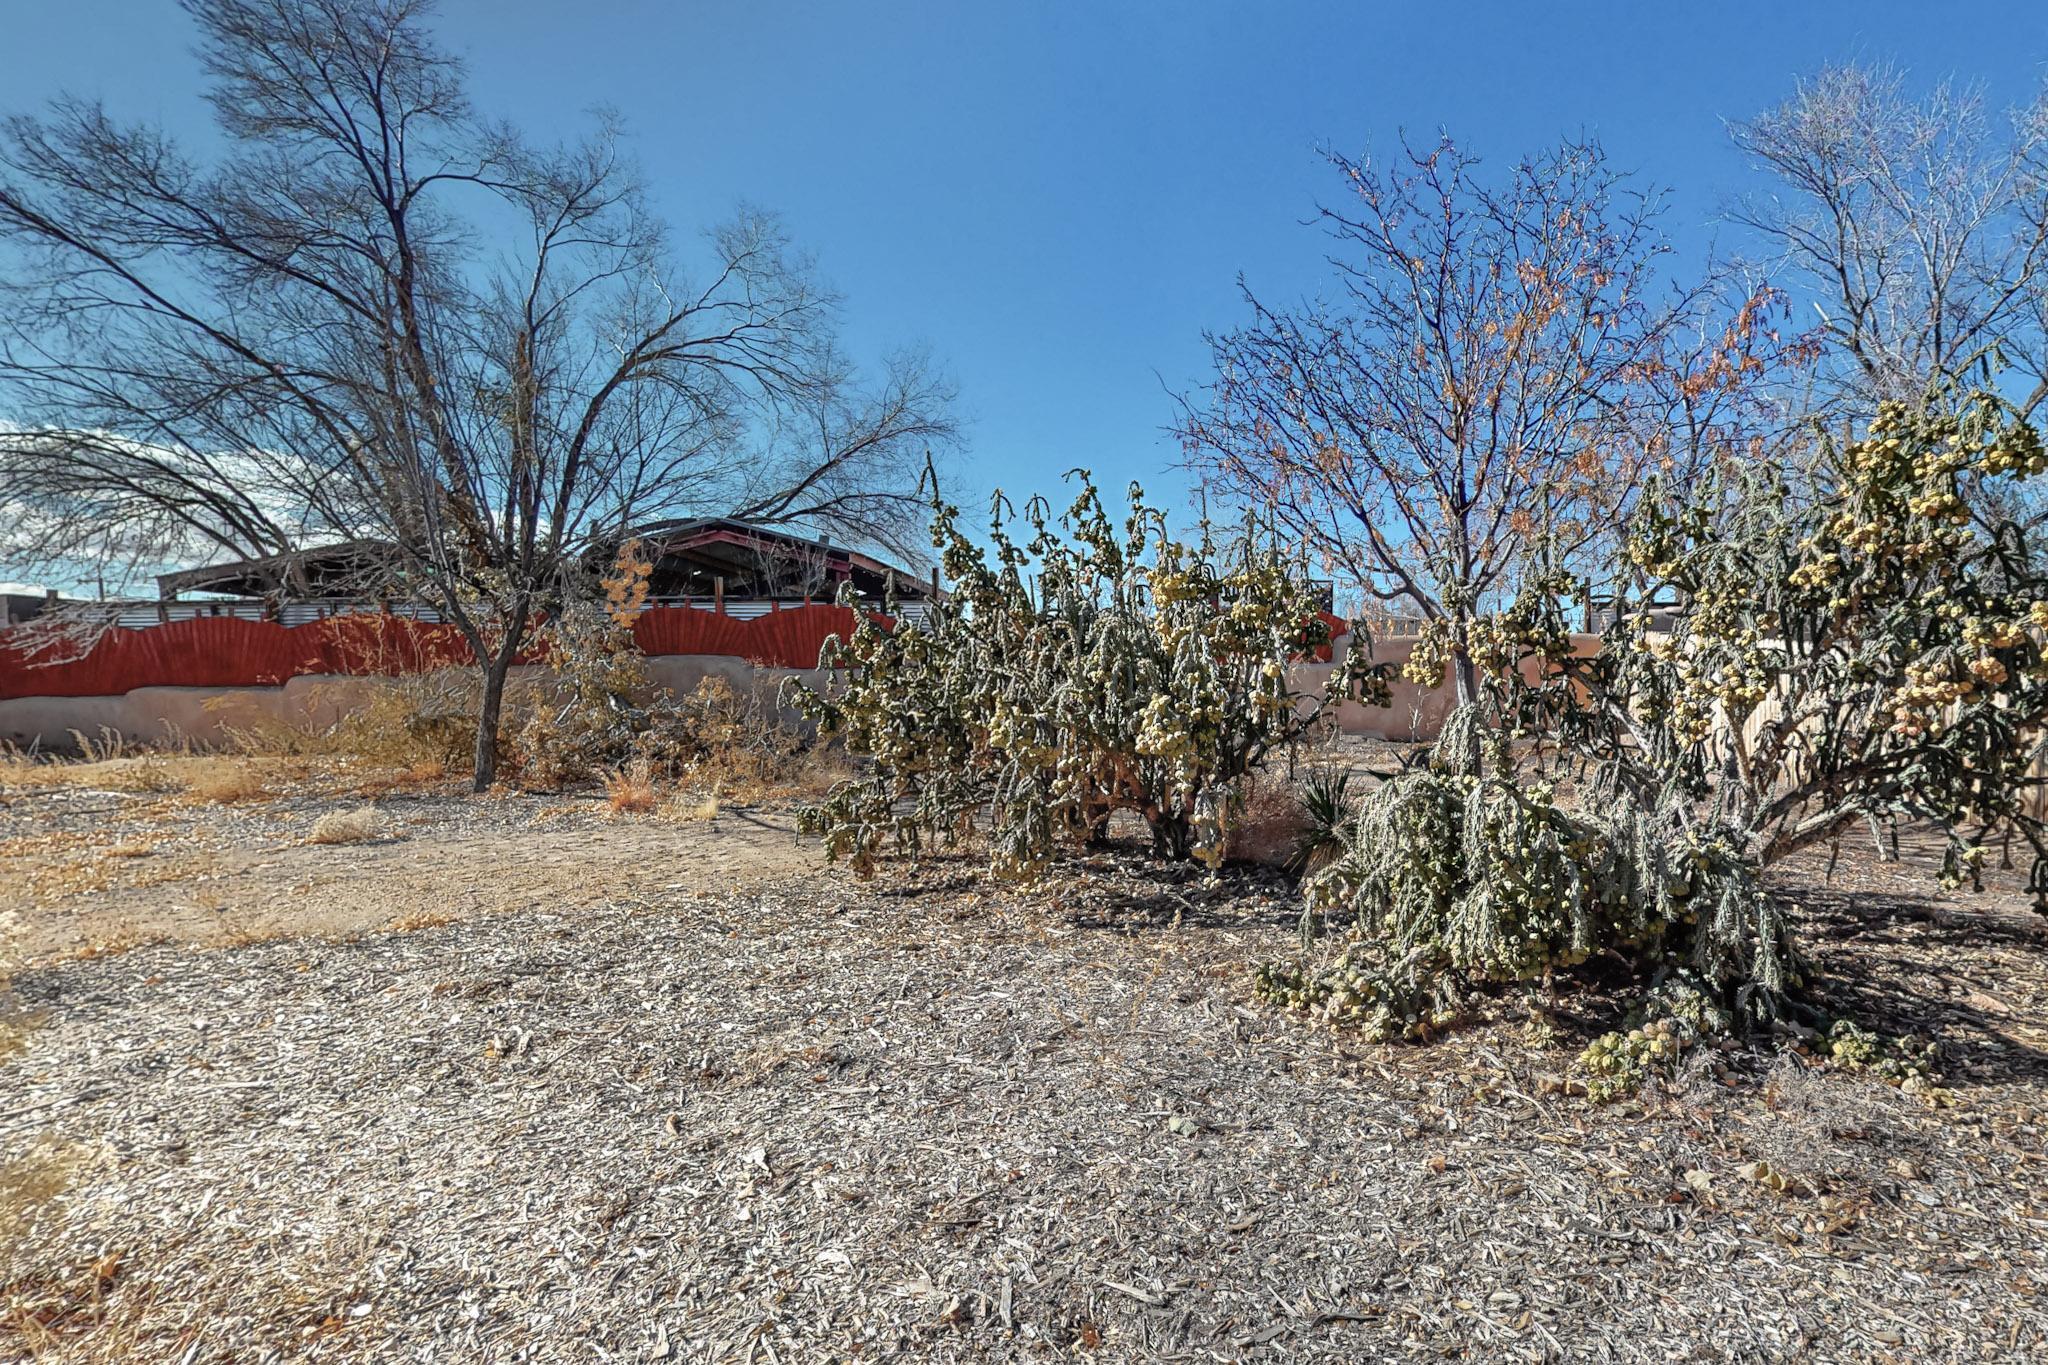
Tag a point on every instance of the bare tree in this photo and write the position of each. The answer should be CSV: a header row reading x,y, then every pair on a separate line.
x,y
380,316
1917,228
1492,376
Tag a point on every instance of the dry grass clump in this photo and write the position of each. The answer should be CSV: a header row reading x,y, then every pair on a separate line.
x,y
15,1026
694,811
358,826
221,781
112,764
423,776
125,939
29,1180
630,790
418,920
144,775
15,1022
405,722
41,1312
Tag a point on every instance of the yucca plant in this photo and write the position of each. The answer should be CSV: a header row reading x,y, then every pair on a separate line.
x,y
1325,801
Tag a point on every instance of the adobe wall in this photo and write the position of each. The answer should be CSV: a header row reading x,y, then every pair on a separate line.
x,y
1416,713
210,715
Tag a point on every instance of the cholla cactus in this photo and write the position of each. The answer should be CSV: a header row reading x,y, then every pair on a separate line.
x,y
1131,671
1459,873
1866,643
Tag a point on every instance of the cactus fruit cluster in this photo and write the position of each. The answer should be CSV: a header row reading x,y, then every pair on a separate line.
x,y
1909,1062
1616,1064
1094,667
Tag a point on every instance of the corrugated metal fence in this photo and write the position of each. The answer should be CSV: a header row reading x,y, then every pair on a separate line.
x,y
202,647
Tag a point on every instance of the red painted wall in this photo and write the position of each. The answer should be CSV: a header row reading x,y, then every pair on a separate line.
x,y
221,651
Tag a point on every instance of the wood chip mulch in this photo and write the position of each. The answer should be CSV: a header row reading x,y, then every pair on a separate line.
x,y
928,1119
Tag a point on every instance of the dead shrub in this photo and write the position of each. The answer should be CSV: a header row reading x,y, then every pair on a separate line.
x,y
1831,1132
749,750
358,826
412,719
404,721
599,713
1267,822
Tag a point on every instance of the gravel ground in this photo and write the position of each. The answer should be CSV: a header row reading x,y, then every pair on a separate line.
x,y
92,870
931,1120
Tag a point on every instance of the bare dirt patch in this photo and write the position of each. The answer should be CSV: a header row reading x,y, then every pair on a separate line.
x,y
91,869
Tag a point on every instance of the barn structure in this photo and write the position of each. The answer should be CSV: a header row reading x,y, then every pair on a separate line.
x,y
715,561
725,597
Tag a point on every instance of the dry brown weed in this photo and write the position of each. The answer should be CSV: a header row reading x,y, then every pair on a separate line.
x,y
630,790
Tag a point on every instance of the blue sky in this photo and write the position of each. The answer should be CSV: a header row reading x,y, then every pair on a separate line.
x,y
1058,197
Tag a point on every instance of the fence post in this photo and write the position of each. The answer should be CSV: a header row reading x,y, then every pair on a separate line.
x,y
718,594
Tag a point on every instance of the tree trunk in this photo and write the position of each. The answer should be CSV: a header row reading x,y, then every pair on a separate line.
x,y
495,673
1466,676
497,668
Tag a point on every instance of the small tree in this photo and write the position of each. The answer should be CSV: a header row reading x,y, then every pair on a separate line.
x,y
1132,671
383,318
1495,369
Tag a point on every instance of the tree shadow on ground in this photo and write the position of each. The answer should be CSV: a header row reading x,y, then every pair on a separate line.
x,y
1972,975
1121,889
1116,886
1168,909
